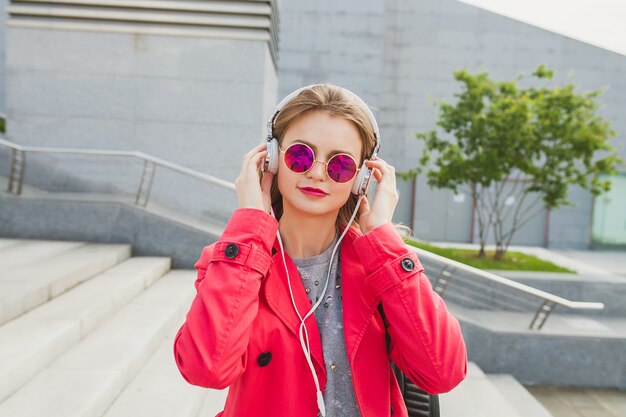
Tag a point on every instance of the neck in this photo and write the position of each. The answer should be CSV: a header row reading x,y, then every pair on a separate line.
x,y
306,235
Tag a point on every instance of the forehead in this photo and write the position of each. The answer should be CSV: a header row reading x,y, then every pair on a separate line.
x,y
325,134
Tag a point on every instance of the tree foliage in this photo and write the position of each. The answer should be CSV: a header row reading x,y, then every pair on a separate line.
x,y
501,137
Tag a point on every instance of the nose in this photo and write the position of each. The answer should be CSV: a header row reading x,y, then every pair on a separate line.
x,y
317,171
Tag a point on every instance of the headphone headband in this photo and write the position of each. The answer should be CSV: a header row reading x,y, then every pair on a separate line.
x,y
286,100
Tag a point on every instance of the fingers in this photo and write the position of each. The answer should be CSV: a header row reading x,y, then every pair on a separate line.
x,y
254,157
382,171
365,205
381,165
266,181
257,157
249,192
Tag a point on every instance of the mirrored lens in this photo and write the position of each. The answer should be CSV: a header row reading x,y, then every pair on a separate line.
x,y
299,157
341,168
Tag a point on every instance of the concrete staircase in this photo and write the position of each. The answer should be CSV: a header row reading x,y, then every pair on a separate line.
x,y
87,330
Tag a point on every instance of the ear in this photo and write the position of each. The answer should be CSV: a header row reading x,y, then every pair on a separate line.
x,y
271,160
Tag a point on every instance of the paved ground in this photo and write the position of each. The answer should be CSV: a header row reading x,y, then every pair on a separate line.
x,y
573,402
613,261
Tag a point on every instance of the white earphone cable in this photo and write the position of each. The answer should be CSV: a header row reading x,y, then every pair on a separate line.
x,y
306,347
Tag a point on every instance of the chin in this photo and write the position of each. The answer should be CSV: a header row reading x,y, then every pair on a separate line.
x,y
314,208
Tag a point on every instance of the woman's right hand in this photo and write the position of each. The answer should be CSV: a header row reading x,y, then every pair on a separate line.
x,y
250,192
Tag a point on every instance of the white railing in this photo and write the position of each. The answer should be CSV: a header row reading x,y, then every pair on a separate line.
x,y
543,303
18,165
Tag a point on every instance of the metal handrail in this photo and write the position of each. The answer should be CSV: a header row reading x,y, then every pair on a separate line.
x,y
17,166
549,301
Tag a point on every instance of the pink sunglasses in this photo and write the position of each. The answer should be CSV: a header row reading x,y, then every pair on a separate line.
x,y
300,158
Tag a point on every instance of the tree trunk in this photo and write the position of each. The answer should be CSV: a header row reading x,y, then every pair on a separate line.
x,y
483,228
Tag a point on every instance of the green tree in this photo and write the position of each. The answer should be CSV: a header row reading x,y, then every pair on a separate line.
x,y
505,144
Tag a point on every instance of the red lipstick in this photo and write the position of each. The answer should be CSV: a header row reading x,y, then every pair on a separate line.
x,y
313,191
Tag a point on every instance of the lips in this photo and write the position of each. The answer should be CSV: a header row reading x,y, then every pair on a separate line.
x,y
312,191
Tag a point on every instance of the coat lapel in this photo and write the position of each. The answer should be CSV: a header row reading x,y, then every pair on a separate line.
x,y
279,299
357,307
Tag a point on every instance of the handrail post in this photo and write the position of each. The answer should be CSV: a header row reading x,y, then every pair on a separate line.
x,y
145,185
16,175
443,280
542,315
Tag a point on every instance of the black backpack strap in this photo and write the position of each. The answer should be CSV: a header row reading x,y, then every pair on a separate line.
x,y
396,370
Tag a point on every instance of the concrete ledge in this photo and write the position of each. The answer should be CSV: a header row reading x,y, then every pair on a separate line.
x,y
256,20
149,234
535,358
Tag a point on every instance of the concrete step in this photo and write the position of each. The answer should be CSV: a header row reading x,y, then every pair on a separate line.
x,y
159,390
23,288
518,396
27,251
86,379
32,341
214,402
476,396
5,243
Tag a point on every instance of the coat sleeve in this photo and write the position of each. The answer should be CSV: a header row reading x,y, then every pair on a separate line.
x,y
426,340
210,348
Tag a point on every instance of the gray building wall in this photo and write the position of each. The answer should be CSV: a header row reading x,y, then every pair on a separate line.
x,y
402,63
3,6
194,95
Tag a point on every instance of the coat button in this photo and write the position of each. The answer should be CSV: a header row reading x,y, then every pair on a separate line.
x,y
407,264
231,251
264,358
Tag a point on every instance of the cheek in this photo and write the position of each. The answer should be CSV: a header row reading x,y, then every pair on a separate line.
x,y
285,180
342,193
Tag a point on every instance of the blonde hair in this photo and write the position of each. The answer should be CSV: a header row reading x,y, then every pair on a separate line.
x,y
339,103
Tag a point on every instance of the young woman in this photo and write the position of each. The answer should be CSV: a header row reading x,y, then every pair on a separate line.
x,y
286,307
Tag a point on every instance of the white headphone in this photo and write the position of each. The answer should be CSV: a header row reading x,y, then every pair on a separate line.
x,y
359,188
270,164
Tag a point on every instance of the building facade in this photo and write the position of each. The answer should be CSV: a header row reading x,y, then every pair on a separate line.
x,y
188,82
194,83
400,56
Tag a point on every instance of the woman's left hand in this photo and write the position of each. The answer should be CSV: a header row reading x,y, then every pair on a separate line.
x,y
385,200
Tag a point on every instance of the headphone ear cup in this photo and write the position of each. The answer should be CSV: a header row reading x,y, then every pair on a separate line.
x,y
361,182
271,159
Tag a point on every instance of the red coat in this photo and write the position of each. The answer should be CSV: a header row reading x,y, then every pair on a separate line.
x,y
241,330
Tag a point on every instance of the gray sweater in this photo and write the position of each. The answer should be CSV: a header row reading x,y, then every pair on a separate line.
x,y
339,395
